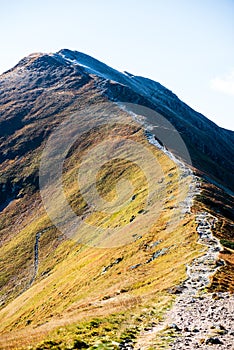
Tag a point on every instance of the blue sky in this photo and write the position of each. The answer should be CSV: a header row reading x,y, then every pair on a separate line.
x,y
185,45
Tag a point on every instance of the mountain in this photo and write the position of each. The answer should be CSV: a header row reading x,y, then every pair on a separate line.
x,y
97,262
211,148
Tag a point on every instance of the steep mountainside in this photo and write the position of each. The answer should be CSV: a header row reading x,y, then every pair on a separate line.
x,y
211,148
162,188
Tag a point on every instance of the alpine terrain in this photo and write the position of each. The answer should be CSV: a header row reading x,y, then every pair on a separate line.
x,y
116,212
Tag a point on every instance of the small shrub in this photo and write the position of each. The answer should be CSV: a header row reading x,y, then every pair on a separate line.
x,y
226,243
49,344
80,344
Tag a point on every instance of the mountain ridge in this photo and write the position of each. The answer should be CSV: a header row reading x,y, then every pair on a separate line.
x,y
59,293
190,124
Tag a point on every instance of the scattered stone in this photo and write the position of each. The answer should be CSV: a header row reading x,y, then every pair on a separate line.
x,y
123,290
195,330
156,243
106,268
134,266
175,327
176,290
158,253
117,261
213,341
126,345
219,262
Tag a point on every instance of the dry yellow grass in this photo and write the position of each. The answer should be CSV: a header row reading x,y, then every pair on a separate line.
x,y
70,287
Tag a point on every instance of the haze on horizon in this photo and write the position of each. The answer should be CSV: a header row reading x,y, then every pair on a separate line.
x,y
186,46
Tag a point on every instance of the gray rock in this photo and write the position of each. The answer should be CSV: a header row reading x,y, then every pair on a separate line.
x,y
213,341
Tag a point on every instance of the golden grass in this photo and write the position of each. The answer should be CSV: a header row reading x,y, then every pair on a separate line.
x,y
71,289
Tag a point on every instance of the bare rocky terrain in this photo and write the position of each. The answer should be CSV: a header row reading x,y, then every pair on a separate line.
x,y
204,321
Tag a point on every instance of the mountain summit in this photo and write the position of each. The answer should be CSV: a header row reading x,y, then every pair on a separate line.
x,y
211,147
116,211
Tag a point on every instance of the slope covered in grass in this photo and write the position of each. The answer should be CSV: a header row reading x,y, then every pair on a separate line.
x,y
75,281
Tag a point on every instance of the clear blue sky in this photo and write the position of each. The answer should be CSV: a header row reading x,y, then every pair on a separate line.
x,y
186,45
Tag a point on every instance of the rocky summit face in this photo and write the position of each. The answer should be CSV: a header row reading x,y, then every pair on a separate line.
x,y
116,212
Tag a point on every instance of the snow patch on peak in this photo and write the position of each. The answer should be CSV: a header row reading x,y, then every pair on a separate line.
x,y
93,66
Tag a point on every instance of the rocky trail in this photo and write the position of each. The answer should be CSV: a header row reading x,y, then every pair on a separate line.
x,y
197,320
203,267
203,322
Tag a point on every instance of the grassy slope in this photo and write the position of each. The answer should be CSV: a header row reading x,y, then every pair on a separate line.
x,y
70,287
